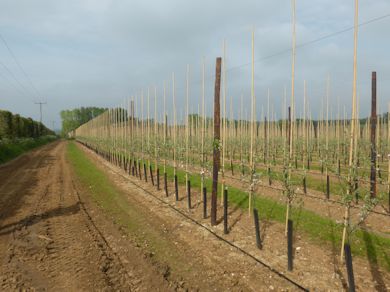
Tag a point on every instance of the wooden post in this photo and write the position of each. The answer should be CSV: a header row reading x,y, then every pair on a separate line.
x,y
158,178
189,194
348,263
217,136
266,158
225,212
327,186
373,136
176,188
151,174
290,245
204,203
257,228
289,126
165,184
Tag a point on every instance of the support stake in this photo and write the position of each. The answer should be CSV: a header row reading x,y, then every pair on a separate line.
x,y
217,138
176,189
158,179
166,184
204,203
257,228
348,263
225,212
189,194
290,245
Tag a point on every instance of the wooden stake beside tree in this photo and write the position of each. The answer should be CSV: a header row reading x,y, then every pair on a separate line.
x,y
372,136
216,142
288,187
203,120
252,128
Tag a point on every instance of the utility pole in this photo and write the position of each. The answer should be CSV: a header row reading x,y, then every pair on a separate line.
x,y
40,117
40,109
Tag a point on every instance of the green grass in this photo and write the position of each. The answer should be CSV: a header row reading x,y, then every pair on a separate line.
x,y
116,206
319,230
10,149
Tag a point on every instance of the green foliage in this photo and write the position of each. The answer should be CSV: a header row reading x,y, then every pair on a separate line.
x,y
10,149
130,217
320,230
72,119
14,126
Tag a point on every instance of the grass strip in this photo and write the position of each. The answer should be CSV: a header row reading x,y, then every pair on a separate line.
x,y
319,230
10,149
129,217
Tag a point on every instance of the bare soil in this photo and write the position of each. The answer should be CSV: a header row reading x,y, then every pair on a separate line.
x,y
53,236
50,239
315,267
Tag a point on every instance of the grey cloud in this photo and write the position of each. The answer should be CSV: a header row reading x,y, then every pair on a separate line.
x,y
99,52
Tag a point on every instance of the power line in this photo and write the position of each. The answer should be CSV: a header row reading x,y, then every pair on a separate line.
x,y
40,109
313,41
304,44
15,78
19,65
14,86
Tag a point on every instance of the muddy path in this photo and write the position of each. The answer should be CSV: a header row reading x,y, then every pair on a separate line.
x,y
50,241
316,267
54,236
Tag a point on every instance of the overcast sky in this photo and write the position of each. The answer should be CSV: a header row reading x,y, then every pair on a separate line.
x,y
97,53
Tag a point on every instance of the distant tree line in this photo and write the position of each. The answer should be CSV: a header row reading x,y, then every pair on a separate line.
x,y
72,119
14,126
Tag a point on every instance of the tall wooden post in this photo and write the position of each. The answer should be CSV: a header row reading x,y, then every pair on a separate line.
x,y
289,126
217,137
132,109
265,141
373,136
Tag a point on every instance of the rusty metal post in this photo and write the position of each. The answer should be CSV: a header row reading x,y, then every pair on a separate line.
x,y
217,137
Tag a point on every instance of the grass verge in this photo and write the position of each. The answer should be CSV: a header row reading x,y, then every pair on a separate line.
x,y
319,230
10,149
132,219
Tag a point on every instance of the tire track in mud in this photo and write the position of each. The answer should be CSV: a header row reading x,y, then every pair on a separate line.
x,y
52,242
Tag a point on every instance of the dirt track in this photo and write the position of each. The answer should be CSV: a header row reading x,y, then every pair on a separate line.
x,y
48,240
54,236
